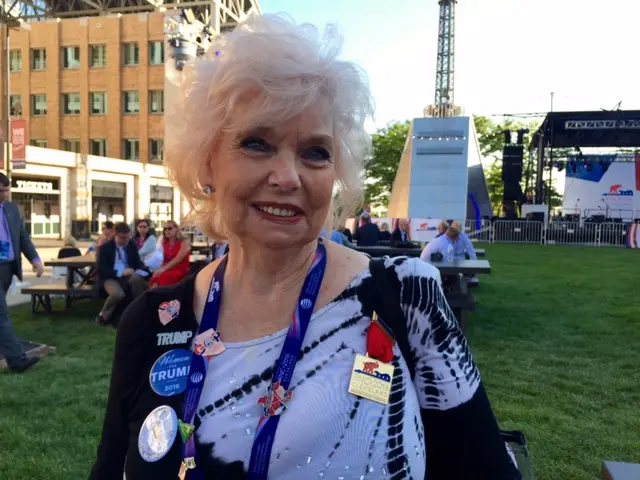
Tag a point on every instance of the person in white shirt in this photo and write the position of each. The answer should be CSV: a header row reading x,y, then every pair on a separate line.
x,y
464,245
441,245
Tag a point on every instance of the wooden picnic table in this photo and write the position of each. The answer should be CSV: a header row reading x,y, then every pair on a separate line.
x,y
75,268
464,267
381,251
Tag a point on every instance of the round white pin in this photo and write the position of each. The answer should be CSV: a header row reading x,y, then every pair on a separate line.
x,y
157,434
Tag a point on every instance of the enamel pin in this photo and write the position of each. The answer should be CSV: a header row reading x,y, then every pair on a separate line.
x,y
274,402
371,379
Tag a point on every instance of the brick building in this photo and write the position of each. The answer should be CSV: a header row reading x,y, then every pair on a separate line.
x,y
91,87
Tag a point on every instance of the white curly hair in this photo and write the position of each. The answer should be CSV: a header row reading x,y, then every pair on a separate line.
x,y
285,69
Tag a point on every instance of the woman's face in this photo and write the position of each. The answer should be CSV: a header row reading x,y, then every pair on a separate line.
x,y
170,230
274,183
143,229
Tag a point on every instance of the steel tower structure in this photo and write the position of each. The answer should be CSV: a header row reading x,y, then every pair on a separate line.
x,y
443,105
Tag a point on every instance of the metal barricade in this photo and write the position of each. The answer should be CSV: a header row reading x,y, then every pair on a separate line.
x,y
479,230
572,233
517,231
613,234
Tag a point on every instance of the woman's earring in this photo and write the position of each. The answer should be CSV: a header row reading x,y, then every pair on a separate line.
x,y
208,189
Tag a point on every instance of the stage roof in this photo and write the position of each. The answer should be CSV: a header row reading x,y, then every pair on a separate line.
x,y
231,11
589,129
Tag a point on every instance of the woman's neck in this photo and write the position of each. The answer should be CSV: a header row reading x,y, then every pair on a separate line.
x,y
265,272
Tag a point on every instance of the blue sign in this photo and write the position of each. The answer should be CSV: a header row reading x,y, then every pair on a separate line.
x,y
169,373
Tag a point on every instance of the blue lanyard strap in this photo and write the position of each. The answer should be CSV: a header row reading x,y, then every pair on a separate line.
x,y
277,394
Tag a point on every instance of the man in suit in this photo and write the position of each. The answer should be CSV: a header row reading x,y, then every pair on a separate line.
x,y
14,242
120,271
368,235
401,236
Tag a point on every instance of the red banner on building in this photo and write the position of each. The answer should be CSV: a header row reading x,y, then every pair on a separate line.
x,y
18,144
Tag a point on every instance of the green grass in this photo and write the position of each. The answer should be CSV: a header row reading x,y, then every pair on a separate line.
x,y
556,336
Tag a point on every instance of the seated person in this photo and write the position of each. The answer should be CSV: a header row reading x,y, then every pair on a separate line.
x,y
120,271
368,234
69,249
176,251
107,235
337,237
401,237
464,245
145,239
441,245
442,227
385,234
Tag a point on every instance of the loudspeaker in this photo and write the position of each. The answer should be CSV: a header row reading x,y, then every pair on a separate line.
x,y
512,165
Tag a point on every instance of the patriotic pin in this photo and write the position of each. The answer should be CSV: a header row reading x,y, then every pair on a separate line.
x,y
274,402
168,311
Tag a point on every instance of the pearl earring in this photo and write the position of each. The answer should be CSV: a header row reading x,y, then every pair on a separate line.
x,y
208,189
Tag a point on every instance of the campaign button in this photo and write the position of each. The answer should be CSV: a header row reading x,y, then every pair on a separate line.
x,y
157,434
170,372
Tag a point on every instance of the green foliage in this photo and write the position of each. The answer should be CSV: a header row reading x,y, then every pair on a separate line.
x,y
388,144
491,140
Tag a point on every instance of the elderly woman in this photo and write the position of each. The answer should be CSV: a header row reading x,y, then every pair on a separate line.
x,y
257,368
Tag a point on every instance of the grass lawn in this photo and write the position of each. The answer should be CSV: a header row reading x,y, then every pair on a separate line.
x,y
556,336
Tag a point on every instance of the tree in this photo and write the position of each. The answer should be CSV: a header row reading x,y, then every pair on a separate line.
x,y
491,140
388,145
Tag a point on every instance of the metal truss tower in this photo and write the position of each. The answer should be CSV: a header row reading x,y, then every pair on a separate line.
x,y
443,105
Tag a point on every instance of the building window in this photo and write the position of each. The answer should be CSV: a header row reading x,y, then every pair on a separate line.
x,y
98,146
15,102
71,103
70,57
38,143
131,102
38,105
98,103
156,101
15,60
38,59
98,56
131,149
156,150
71,145
130,54
156,53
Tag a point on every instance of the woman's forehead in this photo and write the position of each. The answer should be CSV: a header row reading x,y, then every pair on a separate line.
x,y
314,121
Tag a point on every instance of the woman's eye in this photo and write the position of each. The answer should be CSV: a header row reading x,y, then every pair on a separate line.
x,y
316,154
255,144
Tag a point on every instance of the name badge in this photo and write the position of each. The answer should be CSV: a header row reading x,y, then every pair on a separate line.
x,y
371,379
157,434
4,250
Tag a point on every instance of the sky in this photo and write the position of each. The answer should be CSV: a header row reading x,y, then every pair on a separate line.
x,y
510,54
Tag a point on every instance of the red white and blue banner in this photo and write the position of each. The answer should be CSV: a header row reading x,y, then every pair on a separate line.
x,y
420,229
633,235
604,186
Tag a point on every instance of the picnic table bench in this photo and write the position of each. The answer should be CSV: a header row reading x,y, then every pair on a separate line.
x,y
80,271
381,251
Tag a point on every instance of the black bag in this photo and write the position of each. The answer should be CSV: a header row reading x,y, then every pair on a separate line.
x,y
386,302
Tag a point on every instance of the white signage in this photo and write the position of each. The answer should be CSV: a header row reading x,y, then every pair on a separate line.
x,y
34,186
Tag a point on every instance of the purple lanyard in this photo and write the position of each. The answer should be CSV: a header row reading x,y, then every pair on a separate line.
x,y
267,425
